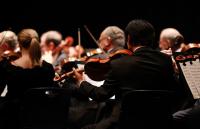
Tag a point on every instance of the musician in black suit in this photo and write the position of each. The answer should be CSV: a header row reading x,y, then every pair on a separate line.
x,y
112,41
146,69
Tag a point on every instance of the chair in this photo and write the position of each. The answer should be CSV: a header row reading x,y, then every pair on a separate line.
x,y
146,109
45,108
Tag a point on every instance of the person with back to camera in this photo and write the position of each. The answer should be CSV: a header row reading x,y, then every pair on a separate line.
x,y
28,71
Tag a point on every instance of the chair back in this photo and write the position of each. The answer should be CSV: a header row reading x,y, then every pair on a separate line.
x,y
45,108
146,109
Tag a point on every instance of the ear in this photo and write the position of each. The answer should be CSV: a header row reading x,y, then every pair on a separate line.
x,y
169,43
129,44
51,46
109,41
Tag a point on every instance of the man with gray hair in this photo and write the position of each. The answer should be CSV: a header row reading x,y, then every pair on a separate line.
x,y
112,39
171,39
8,42
50,41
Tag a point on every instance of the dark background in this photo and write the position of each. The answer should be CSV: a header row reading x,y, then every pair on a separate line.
x,y
68,16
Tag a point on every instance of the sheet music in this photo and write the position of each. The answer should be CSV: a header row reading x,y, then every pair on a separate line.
x,y
192,76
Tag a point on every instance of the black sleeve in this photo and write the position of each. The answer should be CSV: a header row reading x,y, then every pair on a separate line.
x,y
101,93
2,76
50,73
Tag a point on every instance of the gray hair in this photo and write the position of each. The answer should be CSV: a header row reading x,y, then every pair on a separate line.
x,y
116,34
53,36
10,38
170,33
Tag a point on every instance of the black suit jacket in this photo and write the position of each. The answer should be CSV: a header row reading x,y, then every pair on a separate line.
x,y
145,69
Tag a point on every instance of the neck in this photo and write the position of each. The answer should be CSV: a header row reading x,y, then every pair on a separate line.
x,y
24,52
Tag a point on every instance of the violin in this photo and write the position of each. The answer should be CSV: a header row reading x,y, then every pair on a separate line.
x,y
191,47
10,55
96,67
67,64
188,52
59,78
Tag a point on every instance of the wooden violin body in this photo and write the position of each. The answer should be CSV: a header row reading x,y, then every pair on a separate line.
x,y
96,66
191,47
188,52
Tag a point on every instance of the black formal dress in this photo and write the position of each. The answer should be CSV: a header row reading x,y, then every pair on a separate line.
x,y
18,81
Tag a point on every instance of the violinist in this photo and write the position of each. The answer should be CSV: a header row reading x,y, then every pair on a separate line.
x,y
145,69
51,52
112,41
171,40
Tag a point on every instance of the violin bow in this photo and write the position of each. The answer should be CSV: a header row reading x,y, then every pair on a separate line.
x,y
91,35
79,41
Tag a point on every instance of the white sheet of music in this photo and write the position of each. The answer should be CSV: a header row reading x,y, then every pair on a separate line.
x,y
192,76
95,83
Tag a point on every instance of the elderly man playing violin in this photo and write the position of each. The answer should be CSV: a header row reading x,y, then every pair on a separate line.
x,y
112,39
112,43
171,40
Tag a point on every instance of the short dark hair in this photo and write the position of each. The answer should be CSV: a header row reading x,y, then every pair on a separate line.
x,y
141,32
